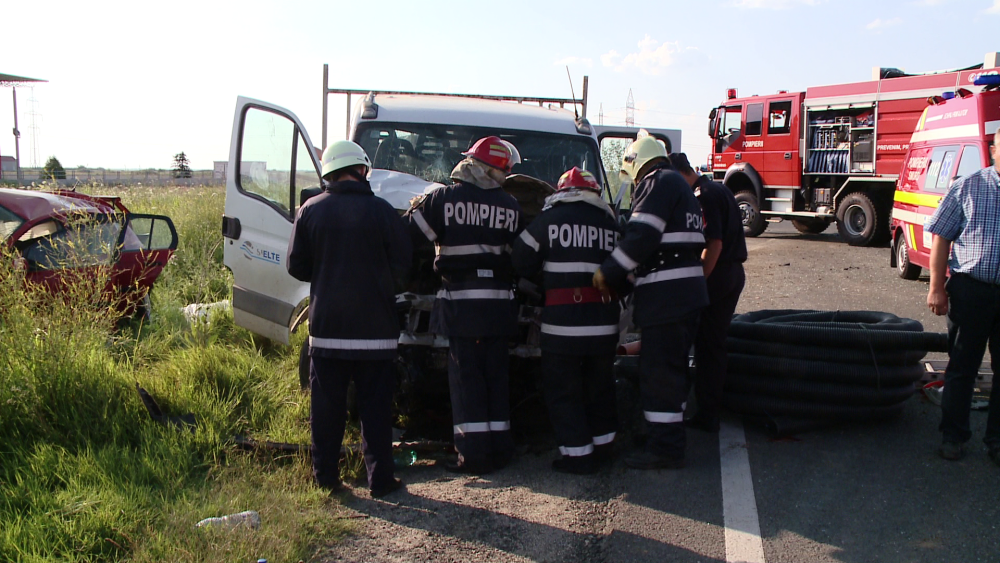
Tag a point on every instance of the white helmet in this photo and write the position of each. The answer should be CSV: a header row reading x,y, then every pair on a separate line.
x,y
344,154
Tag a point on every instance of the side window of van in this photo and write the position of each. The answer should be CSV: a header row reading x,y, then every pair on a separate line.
x,y
972,161
942,161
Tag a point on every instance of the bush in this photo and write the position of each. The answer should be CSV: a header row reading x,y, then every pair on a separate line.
x,y
52,170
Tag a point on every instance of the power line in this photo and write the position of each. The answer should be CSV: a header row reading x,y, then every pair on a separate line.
x,y
630,110
33,126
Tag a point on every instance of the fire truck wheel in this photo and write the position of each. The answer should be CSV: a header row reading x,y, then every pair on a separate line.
x,y
906,269
811,226
753,221
857,220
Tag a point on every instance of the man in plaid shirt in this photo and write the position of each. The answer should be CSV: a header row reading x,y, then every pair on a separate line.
x,y
966,229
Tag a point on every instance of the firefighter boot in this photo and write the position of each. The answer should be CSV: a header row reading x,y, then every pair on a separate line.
x,y
576,465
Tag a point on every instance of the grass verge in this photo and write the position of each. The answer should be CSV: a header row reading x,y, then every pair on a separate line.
x,y
86,475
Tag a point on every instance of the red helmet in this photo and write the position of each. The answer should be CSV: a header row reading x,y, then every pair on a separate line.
x,y
576,178
495,152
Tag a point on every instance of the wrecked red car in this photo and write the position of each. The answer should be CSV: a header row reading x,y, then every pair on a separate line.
x,y
63,235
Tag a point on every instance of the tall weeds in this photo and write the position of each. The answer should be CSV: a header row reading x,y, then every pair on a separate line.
x,y
86,475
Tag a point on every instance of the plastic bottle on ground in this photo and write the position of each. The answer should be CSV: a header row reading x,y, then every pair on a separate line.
x,y
246,519
404,458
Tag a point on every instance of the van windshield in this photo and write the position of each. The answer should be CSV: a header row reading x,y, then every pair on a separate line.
x,y
431,151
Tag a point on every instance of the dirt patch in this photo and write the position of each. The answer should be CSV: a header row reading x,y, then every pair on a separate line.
x,y
524,513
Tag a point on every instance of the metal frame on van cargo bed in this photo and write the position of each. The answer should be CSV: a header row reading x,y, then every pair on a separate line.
x,y
582,102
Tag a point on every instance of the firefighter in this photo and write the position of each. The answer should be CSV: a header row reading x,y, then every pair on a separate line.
x,y
573,235
662,245
723,258
355,253
472,224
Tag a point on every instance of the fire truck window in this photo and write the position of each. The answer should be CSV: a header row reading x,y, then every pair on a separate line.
x,y
755,115
729,131
778,120
972,160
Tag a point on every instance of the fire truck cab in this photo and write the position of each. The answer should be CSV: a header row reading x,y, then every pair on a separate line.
x,y
953,139
831,153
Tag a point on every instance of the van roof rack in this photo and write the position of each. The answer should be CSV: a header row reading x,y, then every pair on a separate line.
x,y
370,99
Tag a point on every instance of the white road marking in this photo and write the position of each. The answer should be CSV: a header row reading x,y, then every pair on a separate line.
x,y
739,506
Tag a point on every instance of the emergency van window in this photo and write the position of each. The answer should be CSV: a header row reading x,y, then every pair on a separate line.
x,y
265,164
431,151
972,161
779,118
941,164
755,115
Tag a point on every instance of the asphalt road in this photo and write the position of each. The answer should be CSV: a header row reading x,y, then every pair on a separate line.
x,y
859,493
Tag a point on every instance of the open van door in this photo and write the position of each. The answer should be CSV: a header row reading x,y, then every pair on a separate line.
x,y
271,162
613,140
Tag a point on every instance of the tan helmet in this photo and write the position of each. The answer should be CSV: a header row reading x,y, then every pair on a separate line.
x,y
344,154
645,149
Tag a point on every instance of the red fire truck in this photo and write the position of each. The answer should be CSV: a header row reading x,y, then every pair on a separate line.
x,y
829,153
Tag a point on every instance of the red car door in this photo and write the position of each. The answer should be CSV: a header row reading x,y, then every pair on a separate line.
x,y
146,245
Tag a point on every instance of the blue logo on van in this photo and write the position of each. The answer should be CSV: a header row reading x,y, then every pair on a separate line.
x,y
253,253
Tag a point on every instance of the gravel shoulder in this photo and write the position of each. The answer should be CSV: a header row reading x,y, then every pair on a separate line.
x,y
847,494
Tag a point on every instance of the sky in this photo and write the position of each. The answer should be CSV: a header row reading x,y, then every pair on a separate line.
x,y
131,84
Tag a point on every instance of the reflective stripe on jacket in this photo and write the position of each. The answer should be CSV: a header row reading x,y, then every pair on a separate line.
x,y
472,230
354,250
662,244
567,243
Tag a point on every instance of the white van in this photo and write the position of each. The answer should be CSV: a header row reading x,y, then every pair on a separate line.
x,y
414,141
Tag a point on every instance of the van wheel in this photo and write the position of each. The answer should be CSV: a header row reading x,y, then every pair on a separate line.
x,y
810,226
905,269
753,221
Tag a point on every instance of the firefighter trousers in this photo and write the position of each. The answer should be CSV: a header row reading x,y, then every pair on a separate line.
x,y
710,357
580,396
663,380
478,379
374,381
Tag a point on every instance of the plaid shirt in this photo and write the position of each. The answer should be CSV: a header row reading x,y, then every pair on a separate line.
x,y
969,216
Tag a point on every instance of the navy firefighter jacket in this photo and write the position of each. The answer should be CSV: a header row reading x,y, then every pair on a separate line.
x,y
354,250
662,244
472,230
568,242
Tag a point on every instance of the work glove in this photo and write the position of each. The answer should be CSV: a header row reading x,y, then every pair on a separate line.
x,y
602,284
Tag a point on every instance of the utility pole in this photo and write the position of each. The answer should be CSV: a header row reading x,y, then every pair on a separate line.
x,y
17,138
13,81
